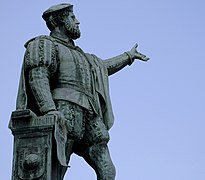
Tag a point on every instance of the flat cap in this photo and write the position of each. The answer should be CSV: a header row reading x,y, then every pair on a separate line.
x,y
55,8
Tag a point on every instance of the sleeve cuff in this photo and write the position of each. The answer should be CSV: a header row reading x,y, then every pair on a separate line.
x,y
131,59
47,107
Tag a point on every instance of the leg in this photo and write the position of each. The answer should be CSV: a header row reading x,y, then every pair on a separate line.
x,y
98,157
74,115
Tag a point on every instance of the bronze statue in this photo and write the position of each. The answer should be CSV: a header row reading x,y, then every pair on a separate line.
x,y
59,78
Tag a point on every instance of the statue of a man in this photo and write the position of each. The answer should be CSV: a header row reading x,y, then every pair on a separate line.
x,y
60,78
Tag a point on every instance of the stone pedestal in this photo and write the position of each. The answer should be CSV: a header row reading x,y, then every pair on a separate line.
x,y
34,153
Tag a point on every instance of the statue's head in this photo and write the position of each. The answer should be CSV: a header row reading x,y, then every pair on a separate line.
x,y
61,16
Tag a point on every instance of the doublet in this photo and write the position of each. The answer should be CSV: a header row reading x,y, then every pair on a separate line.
x,y
54,70
75,78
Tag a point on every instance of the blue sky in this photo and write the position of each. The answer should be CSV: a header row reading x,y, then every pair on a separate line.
x,y
159,128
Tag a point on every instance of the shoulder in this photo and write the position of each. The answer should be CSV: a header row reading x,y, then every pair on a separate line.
x,y
40,47
40,51
98,61
92,56
43,39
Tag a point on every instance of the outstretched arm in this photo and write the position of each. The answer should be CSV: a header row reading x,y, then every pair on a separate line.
x,y
118,62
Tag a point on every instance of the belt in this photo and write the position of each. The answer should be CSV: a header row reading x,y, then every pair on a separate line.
x,y
77,88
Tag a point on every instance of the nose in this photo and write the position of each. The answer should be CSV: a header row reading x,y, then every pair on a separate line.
x,y
77,22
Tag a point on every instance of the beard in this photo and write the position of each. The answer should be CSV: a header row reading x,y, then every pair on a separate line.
x,y
72,30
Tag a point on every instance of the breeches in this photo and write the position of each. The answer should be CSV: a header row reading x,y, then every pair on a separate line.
x,y
87,137
83,125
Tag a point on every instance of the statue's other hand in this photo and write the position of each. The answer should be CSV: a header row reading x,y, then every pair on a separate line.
x,y
56,113
136,55
61,119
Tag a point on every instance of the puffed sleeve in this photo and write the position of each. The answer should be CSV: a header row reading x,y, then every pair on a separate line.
x,y
40,65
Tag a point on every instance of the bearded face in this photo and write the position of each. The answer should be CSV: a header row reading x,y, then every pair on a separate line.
x,y
72,29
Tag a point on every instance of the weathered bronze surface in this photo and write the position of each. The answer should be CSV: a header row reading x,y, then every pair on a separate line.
x,y
63,103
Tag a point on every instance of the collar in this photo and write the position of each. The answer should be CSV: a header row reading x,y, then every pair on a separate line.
x,y
63,39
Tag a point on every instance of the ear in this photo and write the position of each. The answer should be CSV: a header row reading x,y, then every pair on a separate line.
x,y
52,21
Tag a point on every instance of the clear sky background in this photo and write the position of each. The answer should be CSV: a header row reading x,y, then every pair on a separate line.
x,y
159,106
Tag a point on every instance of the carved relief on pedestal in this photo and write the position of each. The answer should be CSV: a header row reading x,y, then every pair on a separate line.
x,y
32,162
32,156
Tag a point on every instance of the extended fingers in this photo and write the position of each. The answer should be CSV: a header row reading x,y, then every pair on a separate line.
x,y
143,57
136,45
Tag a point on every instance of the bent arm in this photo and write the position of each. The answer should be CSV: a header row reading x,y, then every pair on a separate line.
x,y
40,65
39,85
